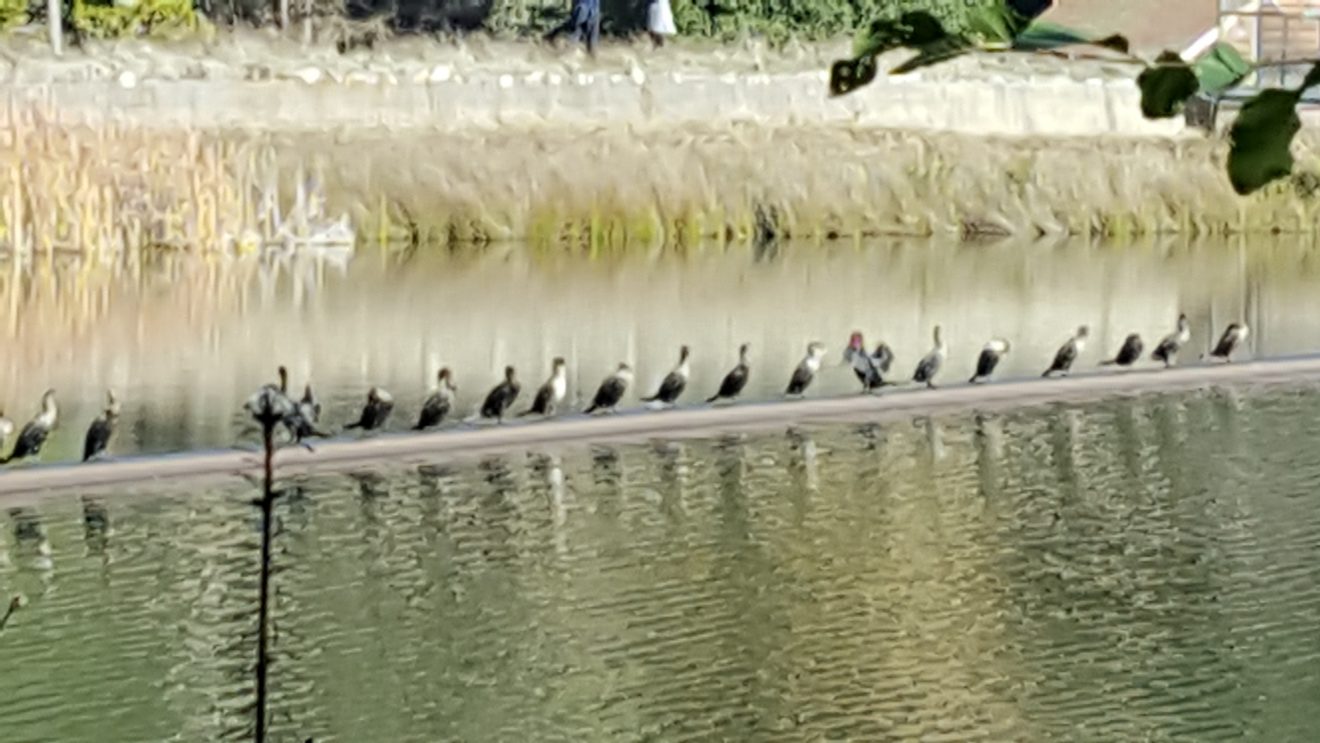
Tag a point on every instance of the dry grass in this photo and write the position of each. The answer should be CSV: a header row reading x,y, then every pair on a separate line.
x,y
115,188
616,186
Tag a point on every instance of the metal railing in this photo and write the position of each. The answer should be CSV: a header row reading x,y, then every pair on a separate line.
x,y
1269,31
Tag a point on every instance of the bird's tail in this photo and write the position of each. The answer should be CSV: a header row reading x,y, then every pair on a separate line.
x,y
974,379
713,398
1110,362
1047,373
527,412
652,398
591,408
351,426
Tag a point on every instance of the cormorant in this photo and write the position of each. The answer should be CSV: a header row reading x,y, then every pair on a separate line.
x,y
991,353
1229,341
1167,350
551,393
34,433
869,369
1068,353
499,400
735,380
99,433
438,405
930,366
806,370
611,390
674,383
1129,354
376,410
271,404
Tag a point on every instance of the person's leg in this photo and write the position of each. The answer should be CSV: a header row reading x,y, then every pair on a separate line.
x,y
593,31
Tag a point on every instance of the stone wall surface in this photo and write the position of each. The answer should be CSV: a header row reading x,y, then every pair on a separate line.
x,y
1006,107
253,81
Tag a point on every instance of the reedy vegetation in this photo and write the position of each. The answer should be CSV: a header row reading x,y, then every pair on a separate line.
x,y
118,188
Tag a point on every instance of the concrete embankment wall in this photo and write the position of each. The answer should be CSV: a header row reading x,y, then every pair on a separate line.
x,y
443,97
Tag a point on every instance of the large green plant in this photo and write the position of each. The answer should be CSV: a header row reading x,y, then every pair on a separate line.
x,y
140,17
1260,139
13,13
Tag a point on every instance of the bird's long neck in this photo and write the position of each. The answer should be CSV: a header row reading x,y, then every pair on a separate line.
x,y
49,412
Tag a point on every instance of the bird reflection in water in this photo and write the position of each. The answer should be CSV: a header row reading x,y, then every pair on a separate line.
x,y
989,443
549,469
96,526
497,510
607,481
673,479
871,434
803,464
934,438
30,534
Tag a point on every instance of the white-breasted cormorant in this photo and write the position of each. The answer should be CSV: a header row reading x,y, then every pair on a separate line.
x,y
1129,354
735,380
99,433
440,402
1068,353
552,392
376,410
611,391
499,400
991,353
1167,350
930,365
806,370
1233,336
34,433
674,383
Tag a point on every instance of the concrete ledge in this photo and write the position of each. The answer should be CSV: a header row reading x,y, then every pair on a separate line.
x,y
466,442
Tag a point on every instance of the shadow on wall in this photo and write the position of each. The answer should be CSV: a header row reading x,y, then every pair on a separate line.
x,y
618,17
429,15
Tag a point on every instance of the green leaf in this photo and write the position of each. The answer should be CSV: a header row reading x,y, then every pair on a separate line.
x,y
913,30
1042,36
994,25
916,30
1261,139
1166,86
1312,79
941,51
847,75
1220,68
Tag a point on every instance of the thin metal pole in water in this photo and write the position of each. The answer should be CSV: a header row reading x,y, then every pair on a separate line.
x,y
267,500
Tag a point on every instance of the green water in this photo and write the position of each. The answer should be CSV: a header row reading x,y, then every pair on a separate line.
x,y
1145,569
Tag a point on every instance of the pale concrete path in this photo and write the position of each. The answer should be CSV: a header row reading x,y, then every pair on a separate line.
x,y
149,472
